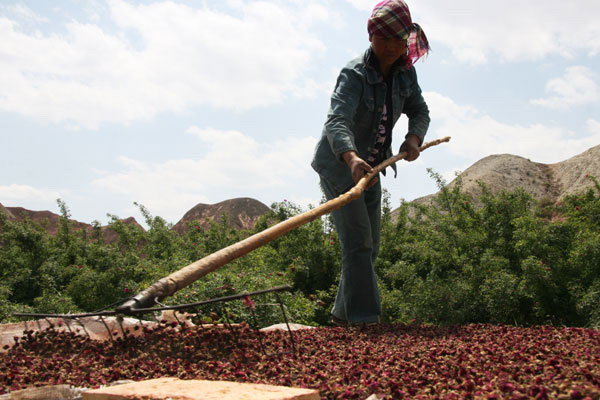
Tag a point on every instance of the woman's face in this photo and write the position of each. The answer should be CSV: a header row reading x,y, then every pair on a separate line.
x,y
388,50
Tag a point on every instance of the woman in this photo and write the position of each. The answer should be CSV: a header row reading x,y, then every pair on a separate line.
x,y
371,93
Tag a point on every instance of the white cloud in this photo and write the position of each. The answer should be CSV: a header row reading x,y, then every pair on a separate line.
x,y
364,5
593,126
23,13
20,194
577,87
316,12
444,108
181,58
513,30
234,165
475,136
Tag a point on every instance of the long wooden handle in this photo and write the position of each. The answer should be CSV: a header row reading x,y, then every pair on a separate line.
x,y
167,286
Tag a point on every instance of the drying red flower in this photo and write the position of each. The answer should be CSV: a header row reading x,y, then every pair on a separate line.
x,y
392,361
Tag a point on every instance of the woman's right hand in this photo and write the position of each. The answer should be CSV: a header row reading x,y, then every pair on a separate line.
x,y
358,166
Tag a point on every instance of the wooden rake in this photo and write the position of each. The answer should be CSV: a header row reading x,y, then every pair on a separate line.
x,y
178,280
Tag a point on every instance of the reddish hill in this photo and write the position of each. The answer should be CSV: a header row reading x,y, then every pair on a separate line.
x,y
4,210
47,219
51,222
111,236
242,214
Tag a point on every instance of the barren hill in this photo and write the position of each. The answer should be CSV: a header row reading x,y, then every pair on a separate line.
x,y
50,221
46,218
242,212
4,211
547,182
111,236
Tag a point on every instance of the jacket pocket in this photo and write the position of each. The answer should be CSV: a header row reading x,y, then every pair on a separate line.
x,y
404,92
364,116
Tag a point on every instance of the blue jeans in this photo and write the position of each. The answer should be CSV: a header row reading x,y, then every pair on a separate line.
x,y
358,226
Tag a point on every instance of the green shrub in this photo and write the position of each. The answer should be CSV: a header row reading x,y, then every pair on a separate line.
x,y
500,258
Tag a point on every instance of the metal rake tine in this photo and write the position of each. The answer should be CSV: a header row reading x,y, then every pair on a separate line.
x,y
108,330
68,324
235,334
50,324
257,331
293,342
120,321
140,322
177,319
83,326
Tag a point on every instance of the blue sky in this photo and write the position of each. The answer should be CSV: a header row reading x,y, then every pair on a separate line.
x,y
174,103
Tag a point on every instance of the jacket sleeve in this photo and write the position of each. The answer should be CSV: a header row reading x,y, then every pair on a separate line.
x,y
344,103
416,110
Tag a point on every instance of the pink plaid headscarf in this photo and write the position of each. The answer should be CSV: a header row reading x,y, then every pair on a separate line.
x,y
391,18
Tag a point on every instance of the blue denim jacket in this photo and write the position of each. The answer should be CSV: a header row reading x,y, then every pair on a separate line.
x,y
355,113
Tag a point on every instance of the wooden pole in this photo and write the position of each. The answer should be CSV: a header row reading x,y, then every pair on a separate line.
x,y
167,286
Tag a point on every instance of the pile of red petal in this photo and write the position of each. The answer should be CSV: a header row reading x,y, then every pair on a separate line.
x,y
393,361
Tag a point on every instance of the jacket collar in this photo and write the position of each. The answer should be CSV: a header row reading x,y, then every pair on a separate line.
x,y
372,67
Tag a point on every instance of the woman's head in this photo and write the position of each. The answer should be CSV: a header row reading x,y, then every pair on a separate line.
x,y
391,22
388,49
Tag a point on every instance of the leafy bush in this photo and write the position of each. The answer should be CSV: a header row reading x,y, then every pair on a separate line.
x,y
500,258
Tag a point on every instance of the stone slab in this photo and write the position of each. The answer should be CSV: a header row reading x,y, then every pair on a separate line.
x,y
177,389
284,327
94,327
55,392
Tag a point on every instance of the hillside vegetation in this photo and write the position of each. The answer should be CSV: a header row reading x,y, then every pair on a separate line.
x,y
498,258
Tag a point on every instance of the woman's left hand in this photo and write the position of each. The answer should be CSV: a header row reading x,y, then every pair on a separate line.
x,y
411,147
